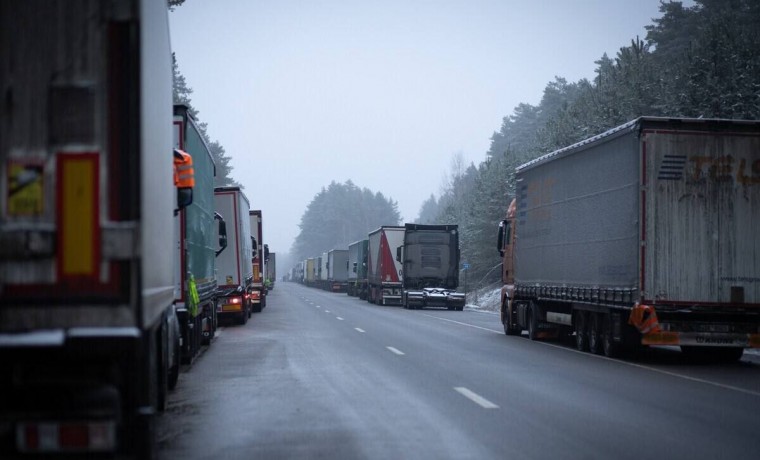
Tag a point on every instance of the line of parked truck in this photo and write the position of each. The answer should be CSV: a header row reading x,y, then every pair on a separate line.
x,y
415,266
118,256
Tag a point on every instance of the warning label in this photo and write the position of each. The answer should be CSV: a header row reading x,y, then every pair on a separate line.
x,y
25,191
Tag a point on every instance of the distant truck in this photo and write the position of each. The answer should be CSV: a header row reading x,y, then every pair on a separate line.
x,y
86,206
384,272
322,271
195,259
272,270
430,258
644,235
337,270
310,271
357,269
259,291
234,265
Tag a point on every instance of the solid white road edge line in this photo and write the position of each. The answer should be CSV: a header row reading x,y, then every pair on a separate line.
x,y
395,350
463,324
476,398
640,366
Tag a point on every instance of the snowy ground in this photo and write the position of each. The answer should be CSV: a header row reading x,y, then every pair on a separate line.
x,y
485,299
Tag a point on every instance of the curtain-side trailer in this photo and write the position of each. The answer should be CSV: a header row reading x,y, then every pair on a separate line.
x,y
643,235
195,259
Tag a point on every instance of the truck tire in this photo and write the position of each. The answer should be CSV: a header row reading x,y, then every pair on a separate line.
x,y
595,333
580,324
532,321
610,348
509,328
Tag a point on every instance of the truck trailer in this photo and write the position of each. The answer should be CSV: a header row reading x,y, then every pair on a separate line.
x,y
271,270
86,198
357,269
384,272
337,270
259,291
430,260
310,271
234,265
195,259
643,235
322,272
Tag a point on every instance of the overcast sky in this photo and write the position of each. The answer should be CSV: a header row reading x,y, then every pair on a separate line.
x,y
301,93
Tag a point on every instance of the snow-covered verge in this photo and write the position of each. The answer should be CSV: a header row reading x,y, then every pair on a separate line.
x,y
485,299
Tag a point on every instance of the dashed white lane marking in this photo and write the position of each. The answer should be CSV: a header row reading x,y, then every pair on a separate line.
x,y
317,306
360,330
476,398
395,350
339,318
327,311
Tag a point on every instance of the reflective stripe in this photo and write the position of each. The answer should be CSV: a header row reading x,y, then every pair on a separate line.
x,y
184,175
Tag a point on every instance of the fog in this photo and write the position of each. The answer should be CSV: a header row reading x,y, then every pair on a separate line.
x,y
384,93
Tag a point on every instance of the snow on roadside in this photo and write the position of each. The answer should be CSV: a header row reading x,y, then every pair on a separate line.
x,y
486,299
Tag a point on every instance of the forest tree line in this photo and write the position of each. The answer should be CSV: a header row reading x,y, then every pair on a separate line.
x,y
701,61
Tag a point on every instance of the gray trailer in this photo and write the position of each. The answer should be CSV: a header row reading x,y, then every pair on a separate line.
x,y
430,258
87,201
644,235
357,269
337,270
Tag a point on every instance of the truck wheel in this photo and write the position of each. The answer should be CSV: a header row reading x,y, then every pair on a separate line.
x,y
609,346
509,328
532,322
595,334
581,330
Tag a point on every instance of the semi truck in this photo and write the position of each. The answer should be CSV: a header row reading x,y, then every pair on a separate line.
x,y
234,265
195,265
310,271
357,269
271,270
643,235
322,271
384,272
86,198
259,291
337,270
430,261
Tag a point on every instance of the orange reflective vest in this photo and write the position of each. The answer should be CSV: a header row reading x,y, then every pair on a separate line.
x,y
644,318
184,175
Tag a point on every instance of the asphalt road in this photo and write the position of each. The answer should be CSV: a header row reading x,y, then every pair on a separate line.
x,y
323,375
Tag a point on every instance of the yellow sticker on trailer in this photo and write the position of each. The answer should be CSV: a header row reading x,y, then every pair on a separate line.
x,y
25,192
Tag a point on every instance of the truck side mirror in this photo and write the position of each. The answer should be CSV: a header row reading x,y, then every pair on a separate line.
x,y
254,248
266,253
222,233
184,197
398,254
500,238
354,267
